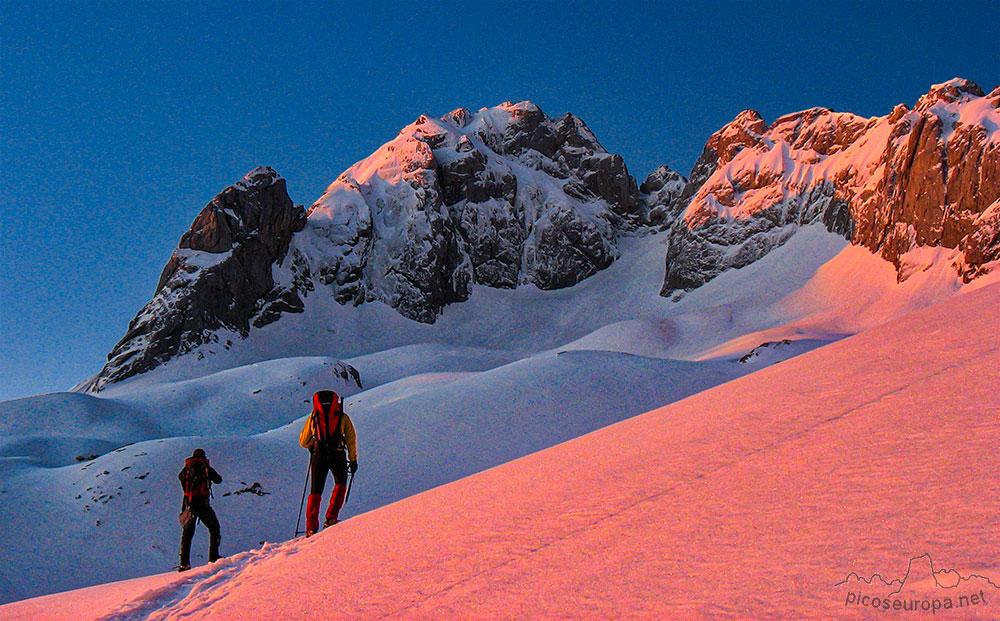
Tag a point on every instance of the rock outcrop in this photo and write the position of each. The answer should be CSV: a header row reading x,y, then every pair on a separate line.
x,y
925,177
662,192
507,196
501,197
220,276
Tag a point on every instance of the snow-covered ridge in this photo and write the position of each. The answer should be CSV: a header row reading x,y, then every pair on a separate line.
x,y
912,178
502,197
507,197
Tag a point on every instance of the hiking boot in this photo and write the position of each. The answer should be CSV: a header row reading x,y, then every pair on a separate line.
x,y
310,533
330,522
183,567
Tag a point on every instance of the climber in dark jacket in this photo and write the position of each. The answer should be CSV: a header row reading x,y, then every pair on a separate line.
x,y
196,479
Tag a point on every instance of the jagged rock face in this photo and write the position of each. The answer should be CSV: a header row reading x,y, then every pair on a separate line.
x,y
501,197
942,172
220,276
925,177
661,192
744,131
982,247
508,196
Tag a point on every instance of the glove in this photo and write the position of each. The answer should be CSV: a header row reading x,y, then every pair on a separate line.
x,y
352,466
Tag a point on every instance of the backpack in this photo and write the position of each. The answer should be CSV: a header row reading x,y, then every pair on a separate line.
x,y
194,478
327,423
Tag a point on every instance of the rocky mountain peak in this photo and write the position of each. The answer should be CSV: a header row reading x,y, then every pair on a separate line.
x,y
658,179
459,116
953,91
247,205
898,112
501,197
219,277
661,191
259,176
819,129
910,179
745,130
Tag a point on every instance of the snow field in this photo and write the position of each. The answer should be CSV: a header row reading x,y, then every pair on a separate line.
x,y
751,499
503,375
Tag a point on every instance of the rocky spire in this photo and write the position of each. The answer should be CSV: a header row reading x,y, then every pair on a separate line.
x,y
220,276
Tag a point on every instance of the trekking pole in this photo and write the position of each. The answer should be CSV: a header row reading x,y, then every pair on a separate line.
x,y
349,485
302,502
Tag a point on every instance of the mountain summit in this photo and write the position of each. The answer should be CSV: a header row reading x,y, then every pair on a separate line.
x,y
508,196
502,197
220,276
922,178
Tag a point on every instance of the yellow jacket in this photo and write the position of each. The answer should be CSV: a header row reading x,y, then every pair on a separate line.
x,y
308,436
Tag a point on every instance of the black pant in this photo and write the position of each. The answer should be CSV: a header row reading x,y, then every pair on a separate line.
x,y
203,511
327,461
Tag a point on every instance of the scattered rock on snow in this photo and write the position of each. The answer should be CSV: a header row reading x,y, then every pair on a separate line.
x,y
254,489
753,353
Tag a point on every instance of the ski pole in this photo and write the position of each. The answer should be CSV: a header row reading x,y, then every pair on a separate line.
x,y
349,484
302,502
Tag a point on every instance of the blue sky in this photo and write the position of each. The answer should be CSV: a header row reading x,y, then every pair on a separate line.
x,y
119,122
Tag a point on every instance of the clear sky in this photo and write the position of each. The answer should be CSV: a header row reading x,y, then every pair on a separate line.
x,y
119,122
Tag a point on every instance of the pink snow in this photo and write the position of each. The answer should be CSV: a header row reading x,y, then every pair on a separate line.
x,y
750,500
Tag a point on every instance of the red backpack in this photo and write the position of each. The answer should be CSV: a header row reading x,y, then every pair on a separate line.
x,y
327,412
194,478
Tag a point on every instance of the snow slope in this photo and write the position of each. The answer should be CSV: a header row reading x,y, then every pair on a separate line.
x,y
765,497
507,373
115,517
498,326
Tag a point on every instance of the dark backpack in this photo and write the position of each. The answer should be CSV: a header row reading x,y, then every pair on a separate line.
x,y
194,478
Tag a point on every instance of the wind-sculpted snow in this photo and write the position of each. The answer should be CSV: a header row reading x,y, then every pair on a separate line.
x,y
57,429
861,469
502,197
415,433
913,178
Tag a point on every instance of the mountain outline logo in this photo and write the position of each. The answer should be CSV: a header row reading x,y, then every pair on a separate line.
x,y
926,583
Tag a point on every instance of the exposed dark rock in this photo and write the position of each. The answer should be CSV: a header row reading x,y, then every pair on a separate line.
x,y
492,198
661,193
219,277
256,489
756,351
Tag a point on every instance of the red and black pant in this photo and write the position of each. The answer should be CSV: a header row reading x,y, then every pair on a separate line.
x,y
201,510
323,462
